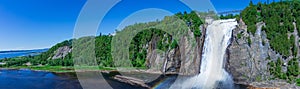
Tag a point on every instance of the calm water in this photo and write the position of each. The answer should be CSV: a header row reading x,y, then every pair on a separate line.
x,y
27,79
10,54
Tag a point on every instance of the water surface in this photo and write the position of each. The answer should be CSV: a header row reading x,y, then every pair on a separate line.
x,y
18,53
28,79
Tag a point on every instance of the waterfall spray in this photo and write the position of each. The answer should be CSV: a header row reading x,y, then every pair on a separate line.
x,y
213,74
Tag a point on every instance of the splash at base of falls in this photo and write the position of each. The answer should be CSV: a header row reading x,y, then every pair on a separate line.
x,y
213,75
220,81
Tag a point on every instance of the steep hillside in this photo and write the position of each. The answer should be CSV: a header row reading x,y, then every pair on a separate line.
x,y
265,46
170,45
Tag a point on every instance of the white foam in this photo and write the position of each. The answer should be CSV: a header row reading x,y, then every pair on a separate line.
x,y
212,70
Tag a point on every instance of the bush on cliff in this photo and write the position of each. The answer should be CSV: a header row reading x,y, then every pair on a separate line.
x,y
278,18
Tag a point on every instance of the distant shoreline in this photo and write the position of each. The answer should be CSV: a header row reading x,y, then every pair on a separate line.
x,y
66,69
21,50
21,53
56,69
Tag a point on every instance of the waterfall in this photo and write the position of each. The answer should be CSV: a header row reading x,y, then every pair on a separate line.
x,y
213,74
217,39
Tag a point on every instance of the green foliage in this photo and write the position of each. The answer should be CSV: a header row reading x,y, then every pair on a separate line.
x,y
197,33
103,44
272,67
61,62
293,70
239,35
276,70
172,25
149,37
249,41
103,50
258,78
230,16
298,82
293,67
278,18
44,56
193,21
174,44
249,17
298,24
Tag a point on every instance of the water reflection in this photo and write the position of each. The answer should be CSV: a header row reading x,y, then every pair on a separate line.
x,y
27,79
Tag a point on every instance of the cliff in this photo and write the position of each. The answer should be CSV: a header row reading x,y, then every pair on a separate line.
x,y
184,59
61,52
153,42
249,56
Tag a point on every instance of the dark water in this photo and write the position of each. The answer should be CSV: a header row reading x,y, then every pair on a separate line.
x,y
27,79
18,53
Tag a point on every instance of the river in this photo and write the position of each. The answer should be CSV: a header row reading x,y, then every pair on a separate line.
x,y
18,53
28,79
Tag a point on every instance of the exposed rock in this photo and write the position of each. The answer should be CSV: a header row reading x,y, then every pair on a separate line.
x,y
295,33
131,81
184,60
200,44
173,64
189,55
271,85
247,61
252,87
157,60
2,63
62,52
154,60
28,64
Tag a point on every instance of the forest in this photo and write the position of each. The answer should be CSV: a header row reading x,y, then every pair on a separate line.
x,y
280,19
103,43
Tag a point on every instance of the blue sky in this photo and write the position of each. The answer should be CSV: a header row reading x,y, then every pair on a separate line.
x,y
33,24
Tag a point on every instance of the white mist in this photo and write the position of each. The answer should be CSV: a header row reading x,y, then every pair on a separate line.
x,y
218,35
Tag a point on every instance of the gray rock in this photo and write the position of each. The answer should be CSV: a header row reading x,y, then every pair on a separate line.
x,y
183,60
247,63
62,52
131,81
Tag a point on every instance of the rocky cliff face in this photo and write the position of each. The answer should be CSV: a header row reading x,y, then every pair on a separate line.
x,y
248,57
62,52
184,60
190,55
